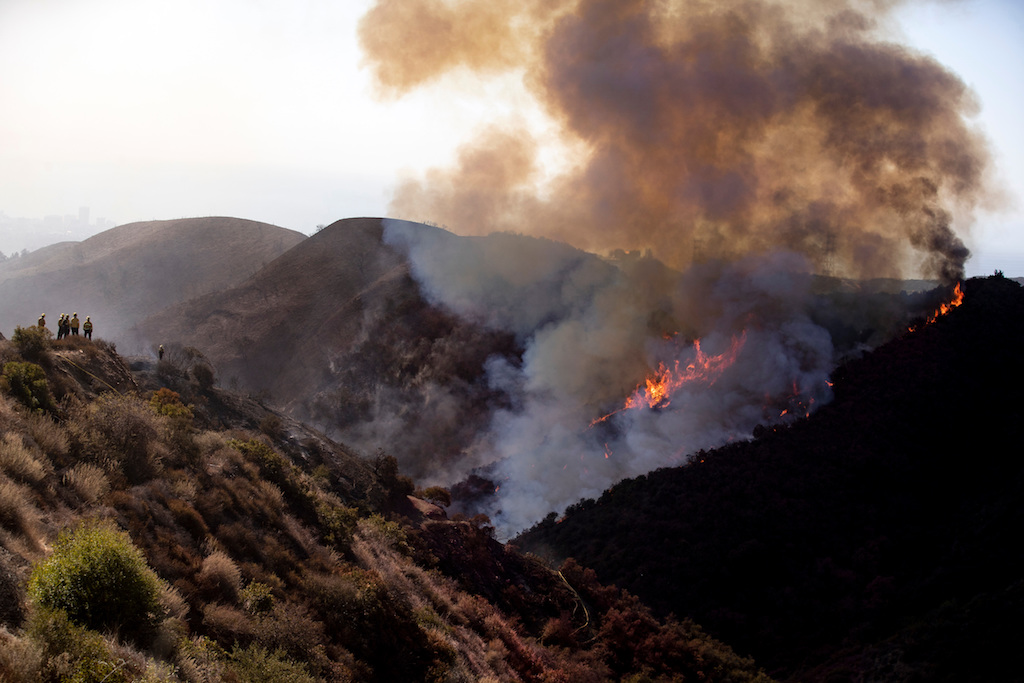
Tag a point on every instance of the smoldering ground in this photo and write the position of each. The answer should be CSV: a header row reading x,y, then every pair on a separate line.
x,y
744,142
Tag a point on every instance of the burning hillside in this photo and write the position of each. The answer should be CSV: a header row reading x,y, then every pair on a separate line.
x,y
748,144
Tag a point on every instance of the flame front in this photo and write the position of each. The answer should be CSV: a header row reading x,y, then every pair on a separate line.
x,y
958,298
657,389
943,309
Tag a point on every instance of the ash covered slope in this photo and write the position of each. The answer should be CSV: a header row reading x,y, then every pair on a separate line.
x,y
126,273
336,330
888,522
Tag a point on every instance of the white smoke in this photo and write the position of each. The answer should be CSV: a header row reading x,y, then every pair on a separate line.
x,y
592,332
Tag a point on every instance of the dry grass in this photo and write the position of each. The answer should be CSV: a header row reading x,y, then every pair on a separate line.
x,y
20,658
121,434
19,463
219,577
49,436
8,417
17,514
185,489
227,625
12,590
88,481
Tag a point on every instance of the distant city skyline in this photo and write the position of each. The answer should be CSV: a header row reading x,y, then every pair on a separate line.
x,y
20,233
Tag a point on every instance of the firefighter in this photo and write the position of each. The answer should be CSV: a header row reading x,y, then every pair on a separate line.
x,y
87,328
42,320
160,352
74,323
60,326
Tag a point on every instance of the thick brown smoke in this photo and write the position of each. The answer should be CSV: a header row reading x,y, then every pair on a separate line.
x,y
710,129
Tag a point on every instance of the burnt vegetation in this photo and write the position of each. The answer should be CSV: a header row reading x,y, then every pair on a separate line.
x,y
877,540
257,549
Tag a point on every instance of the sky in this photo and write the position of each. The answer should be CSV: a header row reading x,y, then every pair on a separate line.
x,y
264,109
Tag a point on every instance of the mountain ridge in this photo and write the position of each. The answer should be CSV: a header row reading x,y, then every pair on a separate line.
x,y
122,274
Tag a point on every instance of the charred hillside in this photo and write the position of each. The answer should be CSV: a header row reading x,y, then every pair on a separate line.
x,y
877,538
154,527
124,274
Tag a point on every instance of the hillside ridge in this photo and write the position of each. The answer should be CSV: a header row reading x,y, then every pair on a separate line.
x,y
874,531
267,551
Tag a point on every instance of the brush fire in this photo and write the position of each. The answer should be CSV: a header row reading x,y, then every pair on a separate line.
x,y
944,308
658,387
739,148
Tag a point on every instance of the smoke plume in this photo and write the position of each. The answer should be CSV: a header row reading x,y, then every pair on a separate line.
x,y
746,143
706,129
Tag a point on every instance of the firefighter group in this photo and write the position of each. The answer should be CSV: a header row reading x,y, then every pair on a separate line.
x,y
68,325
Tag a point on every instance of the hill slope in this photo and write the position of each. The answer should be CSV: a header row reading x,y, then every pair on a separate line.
x,y
269,551
126,273
878,537
337,331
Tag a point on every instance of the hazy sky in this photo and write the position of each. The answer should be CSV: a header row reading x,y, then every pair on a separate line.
x,y
260,109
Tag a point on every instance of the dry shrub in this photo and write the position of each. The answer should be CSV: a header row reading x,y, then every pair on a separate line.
x,y
19,463
185,489
174,604
20,658
8,416
200,660
220,578
188,518
120,433
226,624
12,591
16,510
270,498
51,437
88,481
290,628
208,442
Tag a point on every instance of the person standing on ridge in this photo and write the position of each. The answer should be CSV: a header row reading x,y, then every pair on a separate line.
x,y
87,328
74,323
42,320
65,328
60,326
160,352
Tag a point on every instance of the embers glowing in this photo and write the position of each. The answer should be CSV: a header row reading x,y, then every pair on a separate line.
x,y
657,389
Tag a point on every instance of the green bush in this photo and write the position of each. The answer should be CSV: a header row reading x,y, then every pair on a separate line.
x,y
167,402
32,342
27,383
256,664
71,652
100,580
436,494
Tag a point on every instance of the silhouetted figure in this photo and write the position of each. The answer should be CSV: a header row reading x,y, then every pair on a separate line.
x,y
42,320
74,323
87,328
160,352
60,326
66,326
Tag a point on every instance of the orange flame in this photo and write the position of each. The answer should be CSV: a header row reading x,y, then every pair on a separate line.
x,y
943,309
958,298
657,390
